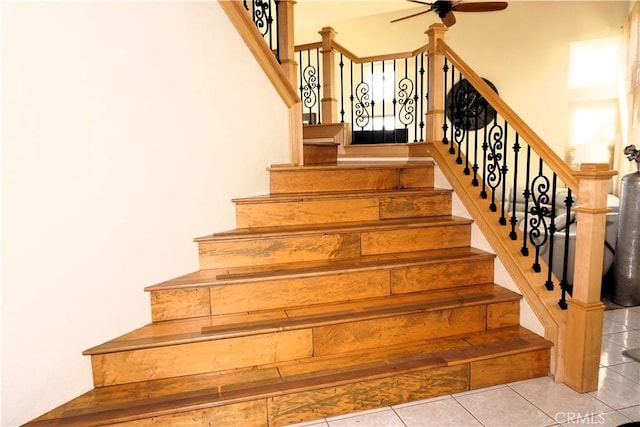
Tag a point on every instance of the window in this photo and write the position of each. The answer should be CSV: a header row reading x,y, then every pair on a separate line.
x,y
594,68
594,63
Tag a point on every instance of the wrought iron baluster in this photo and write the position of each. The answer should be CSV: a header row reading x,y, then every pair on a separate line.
x,y
395,97
275,30
351,99
318,87
552,230
405,98
308,84
526,193
514,219
466,126
474,180
417,98
384,102
457,118
341,65
261,16
564,285
504,170
494,157
425,98
363,97
539,235
485,149
446,140
373,104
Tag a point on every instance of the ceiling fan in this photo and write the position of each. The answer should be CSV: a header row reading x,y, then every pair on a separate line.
x,y
444,9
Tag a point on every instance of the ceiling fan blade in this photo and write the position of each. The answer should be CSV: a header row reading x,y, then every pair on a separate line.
x,y
449,19
421,2
488,6
410,16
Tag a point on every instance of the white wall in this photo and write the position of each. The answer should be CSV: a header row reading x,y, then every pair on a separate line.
x,y
127,129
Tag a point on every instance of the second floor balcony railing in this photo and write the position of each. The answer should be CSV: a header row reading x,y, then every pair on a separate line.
x,y
384,98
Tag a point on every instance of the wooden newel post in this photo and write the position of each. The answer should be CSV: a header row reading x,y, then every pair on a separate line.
x,y
286,41
435,112
286,47
585,311
329,101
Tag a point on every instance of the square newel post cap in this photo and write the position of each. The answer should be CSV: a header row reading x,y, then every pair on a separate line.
x,y
594,171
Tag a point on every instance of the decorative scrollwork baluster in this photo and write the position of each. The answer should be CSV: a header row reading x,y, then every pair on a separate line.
x,y
362,97
494,158
262,15
308,86
406,115
539,233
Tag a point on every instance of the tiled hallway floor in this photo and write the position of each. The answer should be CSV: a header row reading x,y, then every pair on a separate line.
x,y
537,402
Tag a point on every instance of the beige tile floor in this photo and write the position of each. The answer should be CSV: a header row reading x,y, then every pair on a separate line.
x,y
537,402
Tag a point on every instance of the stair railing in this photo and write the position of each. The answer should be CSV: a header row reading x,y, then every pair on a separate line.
x,y
383,97
479,170
264,14
493,160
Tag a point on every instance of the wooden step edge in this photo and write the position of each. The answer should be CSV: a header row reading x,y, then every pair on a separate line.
x,y
355,165
336,227
259,323
152,408
295,197
175,402
320,142
230,276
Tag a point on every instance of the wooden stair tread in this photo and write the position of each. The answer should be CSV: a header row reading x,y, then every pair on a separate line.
x,y
173,332
330,228
355,165
129,402
340,194
218,277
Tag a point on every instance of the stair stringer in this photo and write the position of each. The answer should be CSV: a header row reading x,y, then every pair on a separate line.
x,y
536,298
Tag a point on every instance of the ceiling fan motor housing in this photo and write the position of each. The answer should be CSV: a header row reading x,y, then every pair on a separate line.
x,y
442,7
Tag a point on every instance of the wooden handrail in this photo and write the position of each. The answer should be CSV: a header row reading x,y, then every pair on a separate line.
x,y
362,60
255,42
308,46
535,142
376,58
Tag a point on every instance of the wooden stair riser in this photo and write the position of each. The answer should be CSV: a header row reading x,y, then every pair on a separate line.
x,y
341,338
319,153
405,387
368,394
262,349
319,402
198,357
366,178
318,289
246,414
330,246
327,210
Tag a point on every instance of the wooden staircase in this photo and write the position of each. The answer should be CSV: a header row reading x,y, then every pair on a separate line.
x,y
349,287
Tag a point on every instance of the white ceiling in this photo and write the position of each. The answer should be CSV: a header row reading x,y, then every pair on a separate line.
x,y
321,13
